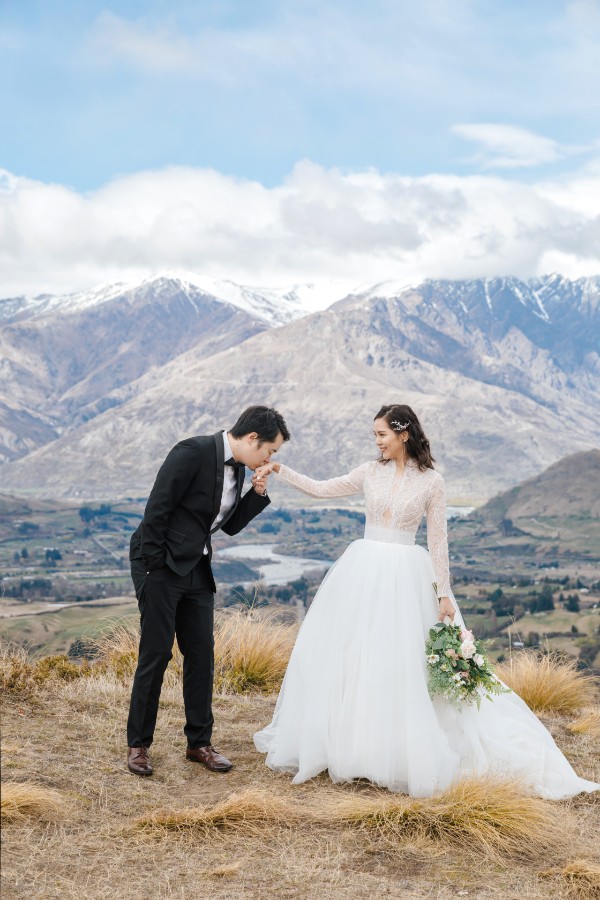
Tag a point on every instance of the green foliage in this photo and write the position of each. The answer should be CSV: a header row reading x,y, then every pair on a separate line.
x,y
458,669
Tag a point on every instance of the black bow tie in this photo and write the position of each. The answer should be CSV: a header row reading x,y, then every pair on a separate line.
x,y
234,464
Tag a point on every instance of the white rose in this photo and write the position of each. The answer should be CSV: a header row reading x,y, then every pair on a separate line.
x,y
478,659
467,649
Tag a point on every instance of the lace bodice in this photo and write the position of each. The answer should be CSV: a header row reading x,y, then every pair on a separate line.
x,y
392,501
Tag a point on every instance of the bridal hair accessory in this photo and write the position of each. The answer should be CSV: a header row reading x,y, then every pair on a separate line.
x,y
398,426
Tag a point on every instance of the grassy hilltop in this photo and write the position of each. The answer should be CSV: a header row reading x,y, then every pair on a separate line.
x,y
76,823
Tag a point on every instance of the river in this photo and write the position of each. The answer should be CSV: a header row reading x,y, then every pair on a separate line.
x,y
278,568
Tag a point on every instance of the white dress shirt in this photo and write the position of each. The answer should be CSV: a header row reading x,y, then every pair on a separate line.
x,y
229,486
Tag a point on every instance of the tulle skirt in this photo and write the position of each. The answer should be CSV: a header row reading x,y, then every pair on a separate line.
x,y
354,700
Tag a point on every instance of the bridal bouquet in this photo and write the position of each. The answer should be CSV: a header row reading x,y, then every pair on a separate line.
x,y
458,667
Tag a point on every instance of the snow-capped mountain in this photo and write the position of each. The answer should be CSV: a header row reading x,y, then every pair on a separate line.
x,y
273,306
505,374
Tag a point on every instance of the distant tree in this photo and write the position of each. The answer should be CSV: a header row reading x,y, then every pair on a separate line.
x,y
28,527
24,553
545,599
17,556
572,603
53,555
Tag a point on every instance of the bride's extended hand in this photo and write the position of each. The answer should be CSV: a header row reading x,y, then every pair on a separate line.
x,y
263,471
446,609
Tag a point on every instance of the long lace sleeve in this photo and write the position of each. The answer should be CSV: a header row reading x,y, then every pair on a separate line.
x,y
352,483
437,535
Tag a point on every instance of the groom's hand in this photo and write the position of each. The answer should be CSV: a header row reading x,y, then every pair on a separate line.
x,y
259,482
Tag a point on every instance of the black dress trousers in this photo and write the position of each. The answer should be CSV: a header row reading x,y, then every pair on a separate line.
x,y
180,606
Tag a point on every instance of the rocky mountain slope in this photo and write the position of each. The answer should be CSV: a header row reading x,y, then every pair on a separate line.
x,y
504,374
568,488
62,361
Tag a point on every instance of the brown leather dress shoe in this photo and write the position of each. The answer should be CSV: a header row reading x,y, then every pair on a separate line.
x,y
209,757
138,761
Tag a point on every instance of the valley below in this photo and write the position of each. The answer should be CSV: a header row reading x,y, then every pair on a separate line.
x,y
532,581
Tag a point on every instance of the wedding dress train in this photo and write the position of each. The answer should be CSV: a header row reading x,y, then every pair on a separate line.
x,y
354,700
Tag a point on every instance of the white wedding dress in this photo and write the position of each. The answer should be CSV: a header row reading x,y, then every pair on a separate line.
x,y
354,700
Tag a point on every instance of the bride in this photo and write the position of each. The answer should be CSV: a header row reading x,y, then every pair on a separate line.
x,y
354,699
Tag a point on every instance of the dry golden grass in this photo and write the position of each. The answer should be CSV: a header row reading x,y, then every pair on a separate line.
x,y
59,668
298,850
580,879
16,671
250,833
20,800
587,723
252,651
491,816
246,809
547,683
115,650
20,676
483,815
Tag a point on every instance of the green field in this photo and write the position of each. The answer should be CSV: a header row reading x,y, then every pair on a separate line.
x,y
54,632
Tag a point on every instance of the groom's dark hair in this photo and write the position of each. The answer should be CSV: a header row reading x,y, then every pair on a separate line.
x,y
264,420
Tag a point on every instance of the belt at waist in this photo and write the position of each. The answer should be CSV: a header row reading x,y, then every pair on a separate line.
x,y
388,535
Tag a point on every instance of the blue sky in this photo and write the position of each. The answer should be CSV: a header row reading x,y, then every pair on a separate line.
x,y
100,89
97,92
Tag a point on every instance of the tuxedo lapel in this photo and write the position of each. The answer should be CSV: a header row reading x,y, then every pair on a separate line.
x,y
218,439
241,474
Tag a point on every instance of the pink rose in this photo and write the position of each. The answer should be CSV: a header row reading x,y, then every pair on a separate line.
x,y
466,635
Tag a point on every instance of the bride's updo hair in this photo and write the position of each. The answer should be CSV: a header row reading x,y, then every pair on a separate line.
x,y
417,446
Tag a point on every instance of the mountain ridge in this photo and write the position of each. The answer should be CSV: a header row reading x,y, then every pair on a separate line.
x,y
490,396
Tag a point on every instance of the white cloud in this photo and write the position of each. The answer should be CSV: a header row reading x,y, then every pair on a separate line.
x,y
317,224
511,147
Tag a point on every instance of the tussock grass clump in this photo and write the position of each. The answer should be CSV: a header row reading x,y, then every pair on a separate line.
x,y
252,651
116,649
582,879
21,676
115,652
20,800
247,809
587,723
58,668
16,671
490,816
548,683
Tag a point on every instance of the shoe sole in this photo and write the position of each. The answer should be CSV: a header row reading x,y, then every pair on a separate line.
x,y
141,774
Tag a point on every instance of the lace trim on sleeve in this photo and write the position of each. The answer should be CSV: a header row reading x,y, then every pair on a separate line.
x,y
352,483
437,535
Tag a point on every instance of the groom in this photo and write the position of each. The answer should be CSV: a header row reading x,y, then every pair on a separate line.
x,y
197,491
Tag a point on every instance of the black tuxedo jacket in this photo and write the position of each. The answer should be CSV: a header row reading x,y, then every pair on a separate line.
x,y
184,502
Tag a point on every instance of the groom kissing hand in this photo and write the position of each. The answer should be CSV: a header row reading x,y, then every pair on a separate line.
x,y
198,490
